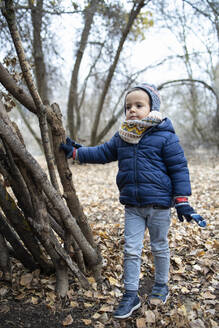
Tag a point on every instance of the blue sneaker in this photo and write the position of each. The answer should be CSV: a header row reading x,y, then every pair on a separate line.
x,y
159,294
128,304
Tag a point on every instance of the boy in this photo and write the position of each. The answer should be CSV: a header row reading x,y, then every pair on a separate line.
x,y
153,175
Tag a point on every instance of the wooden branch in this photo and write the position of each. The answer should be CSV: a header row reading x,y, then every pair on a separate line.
x,y
54,117
31,164
50,242
11,173
5,264
40,222
22,227
11,86
9,14
24,98
66,179
53,11
21,253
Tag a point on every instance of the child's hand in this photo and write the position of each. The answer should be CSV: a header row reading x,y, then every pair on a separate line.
x,y
72,143
184,210
68,149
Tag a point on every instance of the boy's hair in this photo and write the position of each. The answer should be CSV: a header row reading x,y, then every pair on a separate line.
x,y
152,92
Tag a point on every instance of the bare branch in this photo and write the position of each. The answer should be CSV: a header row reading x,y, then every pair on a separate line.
x,y
137,6
182,81
9,14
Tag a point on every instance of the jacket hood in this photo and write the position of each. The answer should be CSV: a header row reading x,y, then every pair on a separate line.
x,y
166,125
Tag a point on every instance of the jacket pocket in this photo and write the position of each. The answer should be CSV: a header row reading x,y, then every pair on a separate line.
x,y
166,182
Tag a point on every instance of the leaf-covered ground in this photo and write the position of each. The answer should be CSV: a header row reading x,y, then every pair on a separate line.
x,y
194,281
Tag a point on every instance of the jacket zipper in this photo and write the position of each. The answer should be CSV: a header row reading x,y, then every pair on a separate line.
x,y
136,182
148,132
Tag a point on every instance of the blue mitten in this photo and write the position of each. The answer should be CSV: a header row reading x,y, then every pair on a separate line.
x,y
72,143
68,149
184,210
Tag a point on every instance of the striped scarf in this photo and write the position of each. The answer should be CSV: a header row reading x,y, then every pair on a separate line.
x,y
131,131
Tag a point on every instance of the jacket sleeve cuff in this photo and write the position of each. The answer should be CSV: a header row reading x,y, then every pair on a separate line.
x,y
181,199
74,155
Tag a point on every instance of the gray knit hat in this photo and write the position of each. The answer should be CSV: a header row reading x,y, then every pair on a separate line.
x,y
152,92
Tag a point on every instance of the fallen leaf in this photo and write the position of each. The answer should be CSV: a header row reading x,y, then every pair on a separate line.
x,y
216,244
208,295
67,321
177,260
99,325
106,308
141,323
4,291
214,324
184,290
113,281
87,321
26,279
73,304
182,310
88,293
197,324
87,305
34,300
197,267
4,308
51,296
20,296
96,316
155,301
201,253
104,318
91,280
150,316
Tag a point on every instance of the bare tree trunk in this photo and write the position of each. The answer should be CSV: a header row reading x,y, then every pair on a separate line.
x,y
72,107
138,5
216,84
39,62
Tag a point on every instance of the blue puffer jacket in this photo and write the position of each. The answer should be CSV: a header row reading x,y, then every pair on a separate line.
x,y
150,172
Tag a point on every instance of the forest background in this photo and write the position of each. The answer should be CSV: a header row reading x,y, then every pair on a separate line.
x,y
65,67
86,57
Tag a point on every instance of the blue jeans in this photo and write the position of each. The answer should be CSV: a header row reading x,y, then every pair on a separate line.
x,y
136,221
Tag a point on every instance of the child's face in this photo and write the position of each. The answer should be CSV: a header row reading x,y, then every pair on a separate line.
x,y
137,105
